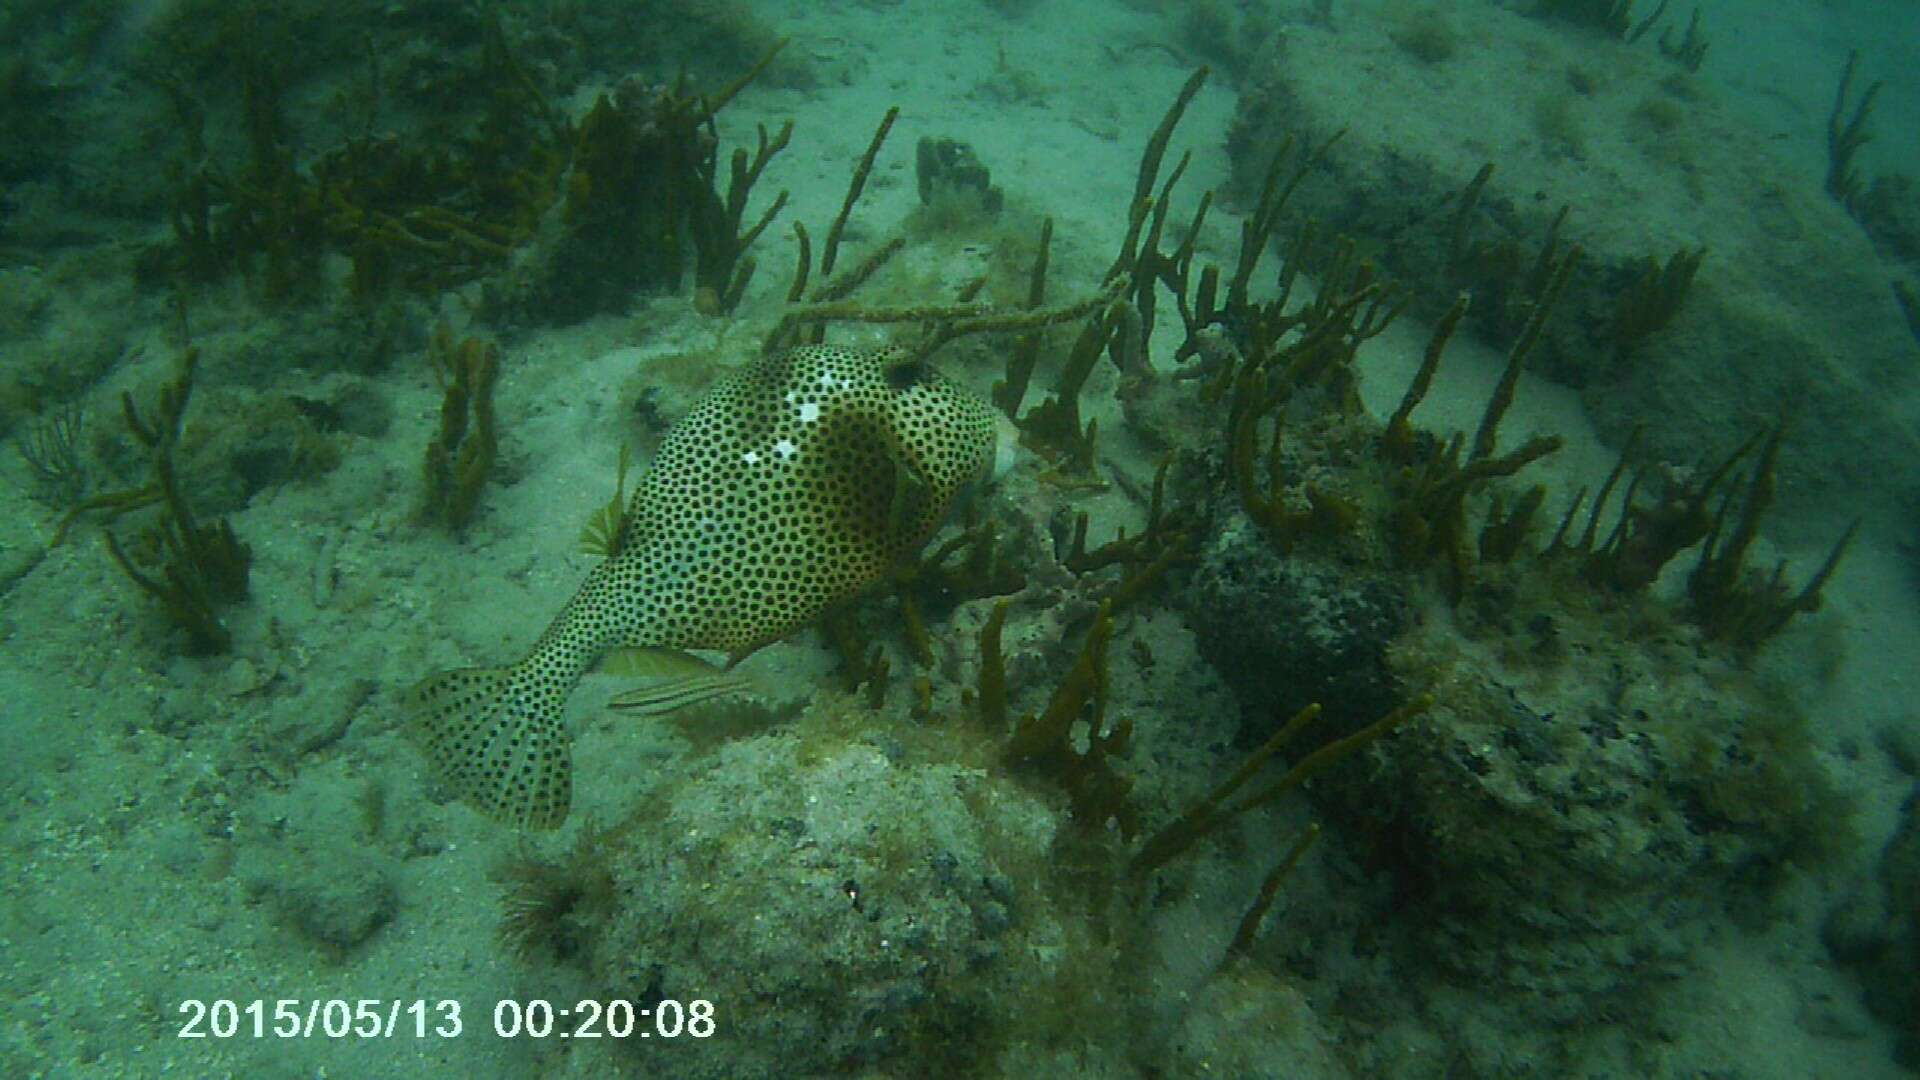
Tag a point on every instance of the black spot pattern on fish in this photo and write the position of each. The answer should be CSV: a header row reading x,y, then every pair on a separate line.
x,y
797,481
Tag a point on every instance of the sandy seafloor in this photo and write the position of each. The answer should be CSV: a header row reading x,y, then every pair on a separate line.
x,y
150,803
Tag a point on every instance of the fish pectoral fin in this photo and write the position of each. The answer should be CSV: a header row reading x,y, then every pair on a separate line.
x,y
911,490
653,662
663,697
676,680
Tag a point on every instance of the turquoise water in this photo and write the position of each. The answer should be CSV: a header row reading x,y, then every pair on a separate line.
x,y
324,331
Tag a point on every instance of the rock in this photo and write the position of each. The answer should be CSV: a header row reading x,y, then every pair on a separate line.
x,y
943,167
1244,1022
336,904
846,905
1286,633
1876,931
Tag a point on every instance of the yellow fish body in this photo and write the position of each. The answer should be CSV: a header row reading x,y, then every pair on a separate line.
x,y
798,480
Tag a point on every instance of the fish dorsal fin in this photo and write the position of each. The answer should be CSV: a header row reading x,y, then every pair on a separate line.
x,y
605,533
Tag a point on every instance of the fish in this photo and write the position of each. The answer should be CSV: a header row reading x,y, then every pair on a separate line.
x,y
798,480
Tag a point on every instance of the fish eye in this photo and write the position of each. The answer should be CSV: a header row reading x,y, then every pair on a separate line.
x,y
905,376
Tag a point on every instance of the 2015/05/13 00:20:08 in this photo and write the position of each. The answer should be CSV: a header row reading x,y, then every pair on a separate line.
x,y
368,1018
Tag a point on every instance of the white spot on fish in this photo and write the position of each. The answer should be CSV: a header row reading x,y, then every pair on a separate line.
x,y
809,412
786,449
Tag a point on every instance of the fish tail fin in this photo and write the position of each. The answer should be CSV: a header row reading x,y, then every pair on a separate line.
x,y
496,739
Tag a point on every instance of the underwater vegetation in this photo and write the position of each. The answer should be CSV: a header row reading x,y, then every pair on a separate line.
x,y
1846,134
1475,243
1690,49
1426,484
1733,602
1888,206
1653,298
644,184
1339,668
1614,18
637,181
1665,312
51,450
191,569
1532,800
461,452
1373,516
422,214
